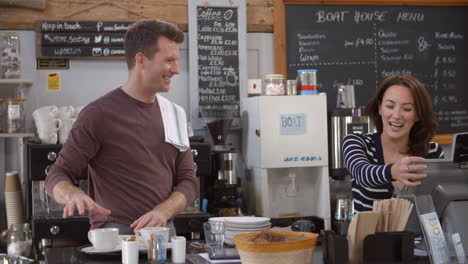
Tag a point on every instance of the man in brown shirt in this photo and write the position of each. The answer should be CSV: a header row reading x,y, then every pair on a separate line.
x,y
135,178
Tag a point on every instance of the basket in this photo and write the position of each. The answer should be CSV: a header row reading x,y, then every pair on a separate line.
x,y
298,251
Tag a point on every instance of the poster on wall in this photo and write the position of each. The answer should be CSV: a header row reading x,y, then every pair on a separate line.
x,y
218,70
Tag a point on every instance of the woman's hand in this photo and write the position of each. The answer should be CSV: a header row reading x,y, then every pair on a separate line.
x,y
407,173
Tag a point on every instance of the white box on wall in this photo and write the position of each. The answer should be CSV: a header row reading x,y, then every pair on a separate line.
x,y
269,145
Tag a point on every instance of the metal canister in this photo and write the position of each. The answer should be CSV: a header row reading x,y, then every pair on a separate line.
x,y
307,82
291,87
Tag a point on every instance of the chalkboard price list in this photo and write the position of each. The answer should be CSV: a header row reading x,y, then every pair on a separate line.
x,y
362,45
218,55
446,62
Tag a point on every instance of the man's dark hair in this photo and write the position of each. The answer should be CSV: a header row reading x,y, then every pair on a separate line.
x,y
142,36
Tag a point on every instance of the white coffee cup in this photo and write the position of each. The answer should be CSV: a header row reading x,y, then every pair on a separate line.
x,y
46,111
47,130
47,123
66,112
130,252
146,233
104,238
78,110
64,130
178,249
48,138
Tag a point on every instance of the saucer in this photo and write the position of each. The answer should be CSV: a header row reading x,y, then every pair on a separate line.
x,y
92,250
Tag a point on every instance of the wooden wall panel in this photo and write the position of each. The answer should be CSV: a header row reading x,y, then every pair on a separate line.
x,y
259,13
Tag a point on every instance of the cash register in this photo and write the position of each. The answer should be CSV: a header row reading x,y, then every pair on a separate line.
x,y
447,183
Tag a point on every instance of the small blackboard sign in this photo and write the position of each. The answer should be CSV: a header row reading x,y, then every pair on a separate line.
x,y
82,51
84,26
361,45
217,33
82,39
218,55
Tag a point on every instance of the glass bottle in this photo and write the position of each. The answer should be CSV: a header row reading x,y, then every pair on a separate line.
x,y
274,84
16,117
19,241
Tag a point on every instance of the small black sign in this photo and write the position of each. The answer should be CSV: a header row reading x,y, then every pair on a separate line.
x,y
84,26
83,39
218,55
64,52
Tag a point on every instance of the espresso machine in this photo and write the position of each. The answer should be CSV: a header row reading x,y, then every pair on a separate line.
x,y
286,147
224,194
48,226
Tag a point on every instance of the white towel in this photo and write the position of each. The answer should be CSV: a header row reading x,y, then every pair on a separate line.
x,y
175,124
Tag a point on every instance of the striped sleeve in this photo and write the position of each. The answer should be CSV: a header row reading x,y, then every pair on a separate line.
x,y
361,168
435,151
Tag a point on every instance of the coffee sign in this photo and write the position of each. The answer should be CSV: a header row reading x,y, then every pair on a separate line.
x,y
217,52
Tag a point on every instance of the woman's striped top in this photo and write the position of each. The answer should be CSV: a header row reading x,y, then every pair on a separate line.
x,y
371,178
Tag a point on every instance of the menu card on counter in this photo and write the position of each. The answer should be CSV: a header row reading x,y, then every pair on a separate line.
x,y
217,36
82,39
362,45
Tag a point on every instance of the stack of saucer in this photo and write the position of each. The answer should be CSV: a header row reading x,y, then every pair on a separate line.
x,y
242,224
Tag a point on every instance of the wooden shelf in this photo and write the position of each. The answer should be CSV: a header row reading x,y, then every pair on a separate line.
x,y
16,135
15,81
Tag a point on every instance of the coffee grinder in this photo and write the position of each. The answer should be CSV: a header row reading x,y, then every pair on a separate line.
x,y
223,196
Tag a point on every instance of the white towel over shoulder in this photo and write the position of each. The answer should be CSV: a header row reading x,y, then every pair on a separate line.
x,y
175,124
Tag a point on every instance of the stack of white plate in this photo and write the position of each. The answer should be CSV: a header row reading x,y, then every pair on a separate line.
x,y
241,224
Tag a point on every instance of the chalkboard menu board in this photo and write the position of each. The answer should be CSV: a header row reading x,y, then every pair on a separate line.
x,y
361,45
218,55
217,52
84,39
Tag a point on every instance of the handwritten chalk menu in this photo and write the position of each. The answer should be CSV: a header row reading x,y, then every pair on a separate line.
x,y
218,72
84,39
218,55
361,45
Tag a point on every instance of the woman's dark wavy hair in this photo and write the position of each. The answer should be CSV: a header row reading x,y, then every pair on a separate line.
x,y
424,129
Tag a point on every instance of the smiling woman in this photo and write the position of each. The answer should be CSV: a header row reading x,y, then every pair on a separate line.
x,y
401,111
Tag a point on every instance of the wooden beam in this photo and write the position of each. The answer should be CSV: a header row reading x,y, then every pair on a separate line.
x,y
279,30
382,2
443,139
259,13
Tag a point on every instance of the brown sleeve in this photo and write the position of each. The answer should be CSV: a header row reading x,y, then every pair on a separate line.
x,y
82,145
185,179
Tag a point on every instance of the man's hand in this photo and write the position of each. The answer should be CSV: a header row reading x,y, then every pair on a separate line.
x,y
161,213
81,202
75,199
155,217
